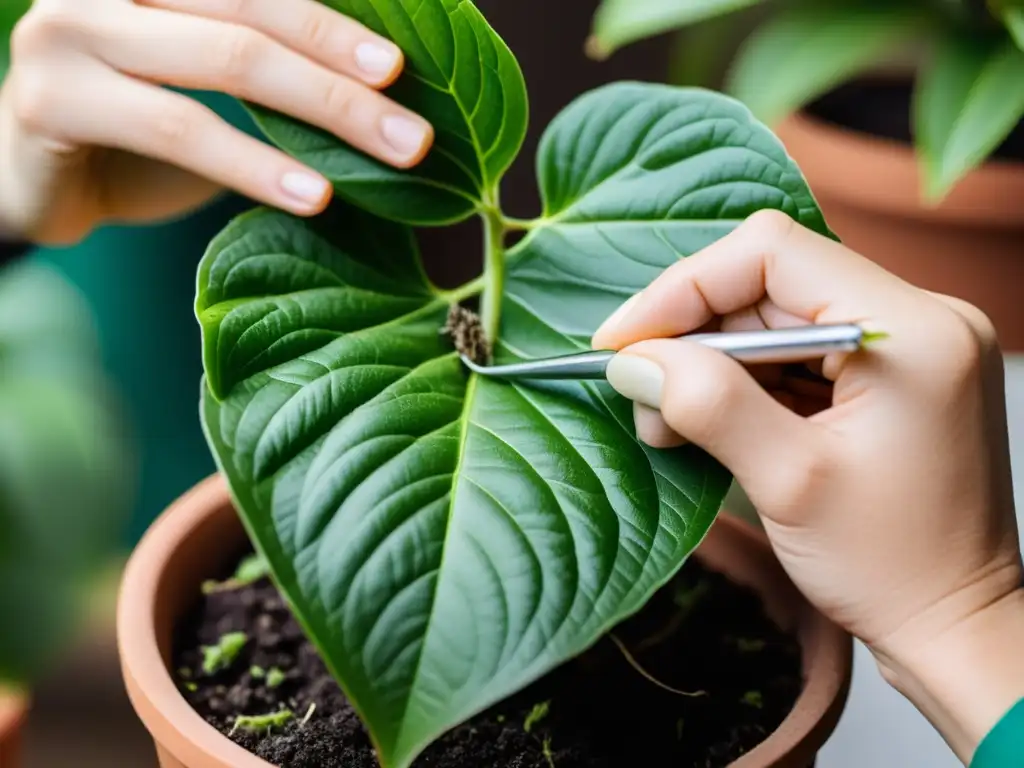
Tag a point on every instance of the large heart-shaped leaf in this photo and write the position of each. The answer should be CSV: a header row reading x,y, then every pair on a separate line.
x,y
446,539
461,77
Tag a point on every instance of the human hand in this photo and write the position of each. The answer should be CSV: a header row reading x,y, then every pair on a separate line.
x,y
889,502
87,135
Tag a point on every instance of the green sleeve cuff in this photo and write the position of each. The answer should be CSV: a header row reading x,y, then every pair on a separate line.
x,y
1004,745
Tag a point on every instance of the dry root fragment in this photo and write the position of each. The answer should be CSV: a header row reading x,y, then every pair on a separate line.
x,y
467,334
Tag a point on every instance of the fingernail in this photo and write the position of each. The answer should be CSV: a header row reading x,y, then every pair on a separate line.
x,y
652,429
305,188
619,314
405,135
637,378
375,59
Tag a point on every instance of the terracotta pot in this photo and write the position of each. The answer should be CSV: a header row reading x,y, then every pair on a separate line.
x,y
12,714
971,245
201,532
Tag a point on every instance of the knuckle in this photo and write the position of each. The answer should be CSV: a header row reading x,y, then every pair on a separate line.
x,y
958,352
237,55
33,101
315,29
172,127
768,226
338,99
797,481
979,322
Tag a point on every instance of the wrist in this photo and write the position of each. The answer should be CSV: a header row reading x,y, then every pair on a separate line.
x,y
968,676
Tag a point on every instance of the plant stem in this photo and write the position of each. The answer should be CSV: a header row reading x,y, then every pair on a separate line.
x,y
518,225
494,272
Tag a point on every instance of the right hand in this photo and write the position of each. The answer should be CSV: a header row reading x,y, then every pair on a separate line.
x,y
890,504
87,135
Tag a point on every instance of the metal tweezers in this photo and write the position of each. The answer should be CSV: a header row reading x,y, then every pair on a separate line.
x,y
786,345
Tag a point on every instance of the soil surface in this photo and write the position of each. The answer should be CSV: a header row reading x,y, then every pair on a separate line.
x,y
700,634
882,108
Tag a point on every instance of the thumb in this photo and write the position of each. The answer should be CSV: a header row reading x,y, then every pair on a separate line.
x,y
712,401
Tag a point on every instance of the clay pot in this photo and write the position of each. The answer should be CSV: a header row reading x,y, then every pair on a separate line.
x,y
201,532
12,714
971,245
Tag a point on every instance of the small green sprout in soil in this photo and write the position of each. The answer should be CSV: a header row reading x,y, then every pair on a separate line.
x,y
753,699
687,598
538,713
275,677
467,334
191,687
746,645
499,719
309,713
257,672
185,673
546,748
249,571
263,723
223,654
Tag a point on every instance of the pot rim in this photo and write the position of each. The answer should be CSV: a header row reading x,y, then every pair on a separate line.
x,y
882,175
166,713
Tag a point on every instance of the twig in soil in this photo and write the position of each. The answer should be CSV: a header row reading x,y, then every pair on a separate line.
x,y
309,713
268,722
644,673
463,327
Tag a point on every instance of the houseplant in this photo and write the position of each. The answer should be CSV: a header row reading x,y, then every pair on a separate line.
x,y
905,117
65,476
415,518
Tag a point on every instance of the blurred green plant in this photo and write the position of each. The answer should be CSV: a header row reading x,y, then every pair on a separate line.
x,y
10,12
66,471
968,55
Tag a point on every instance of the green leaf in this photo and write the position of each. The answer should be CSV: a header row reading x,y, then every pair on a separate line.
x,y
1014,20
966,103
446,539
10,12
803,52
64,466
463,79
618,23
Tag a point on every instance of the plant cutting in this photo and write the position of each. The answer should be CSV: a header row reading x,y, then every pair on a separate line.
x,y
905,117
64,478
445,543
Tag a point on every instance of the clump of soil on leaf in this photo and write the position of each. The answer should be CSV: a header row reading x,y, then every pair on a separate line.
x,y
725,675
467,334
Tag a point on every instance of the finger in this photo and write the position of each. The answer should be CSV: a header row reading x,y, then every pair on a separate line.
x,y
203,54
652,429
119,113
808,276
710,400
323,35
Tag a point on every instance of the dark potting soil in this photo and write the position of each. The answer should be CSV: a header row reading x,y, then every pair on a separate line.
x,y
701,634
883,108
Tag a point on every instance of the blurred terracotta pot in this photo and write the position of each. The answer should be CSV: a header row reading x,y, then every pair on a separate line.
x,y
971,245
201,532
12,714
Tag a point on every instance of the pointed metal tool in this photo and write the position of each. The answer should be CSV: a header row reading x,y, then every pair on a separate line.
x,y
784,345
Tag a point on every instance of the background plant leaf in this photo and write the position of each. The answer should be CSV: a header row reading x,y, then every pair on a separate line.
x,y
65,464
804,51
966,103
618,23
446,539
463,79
